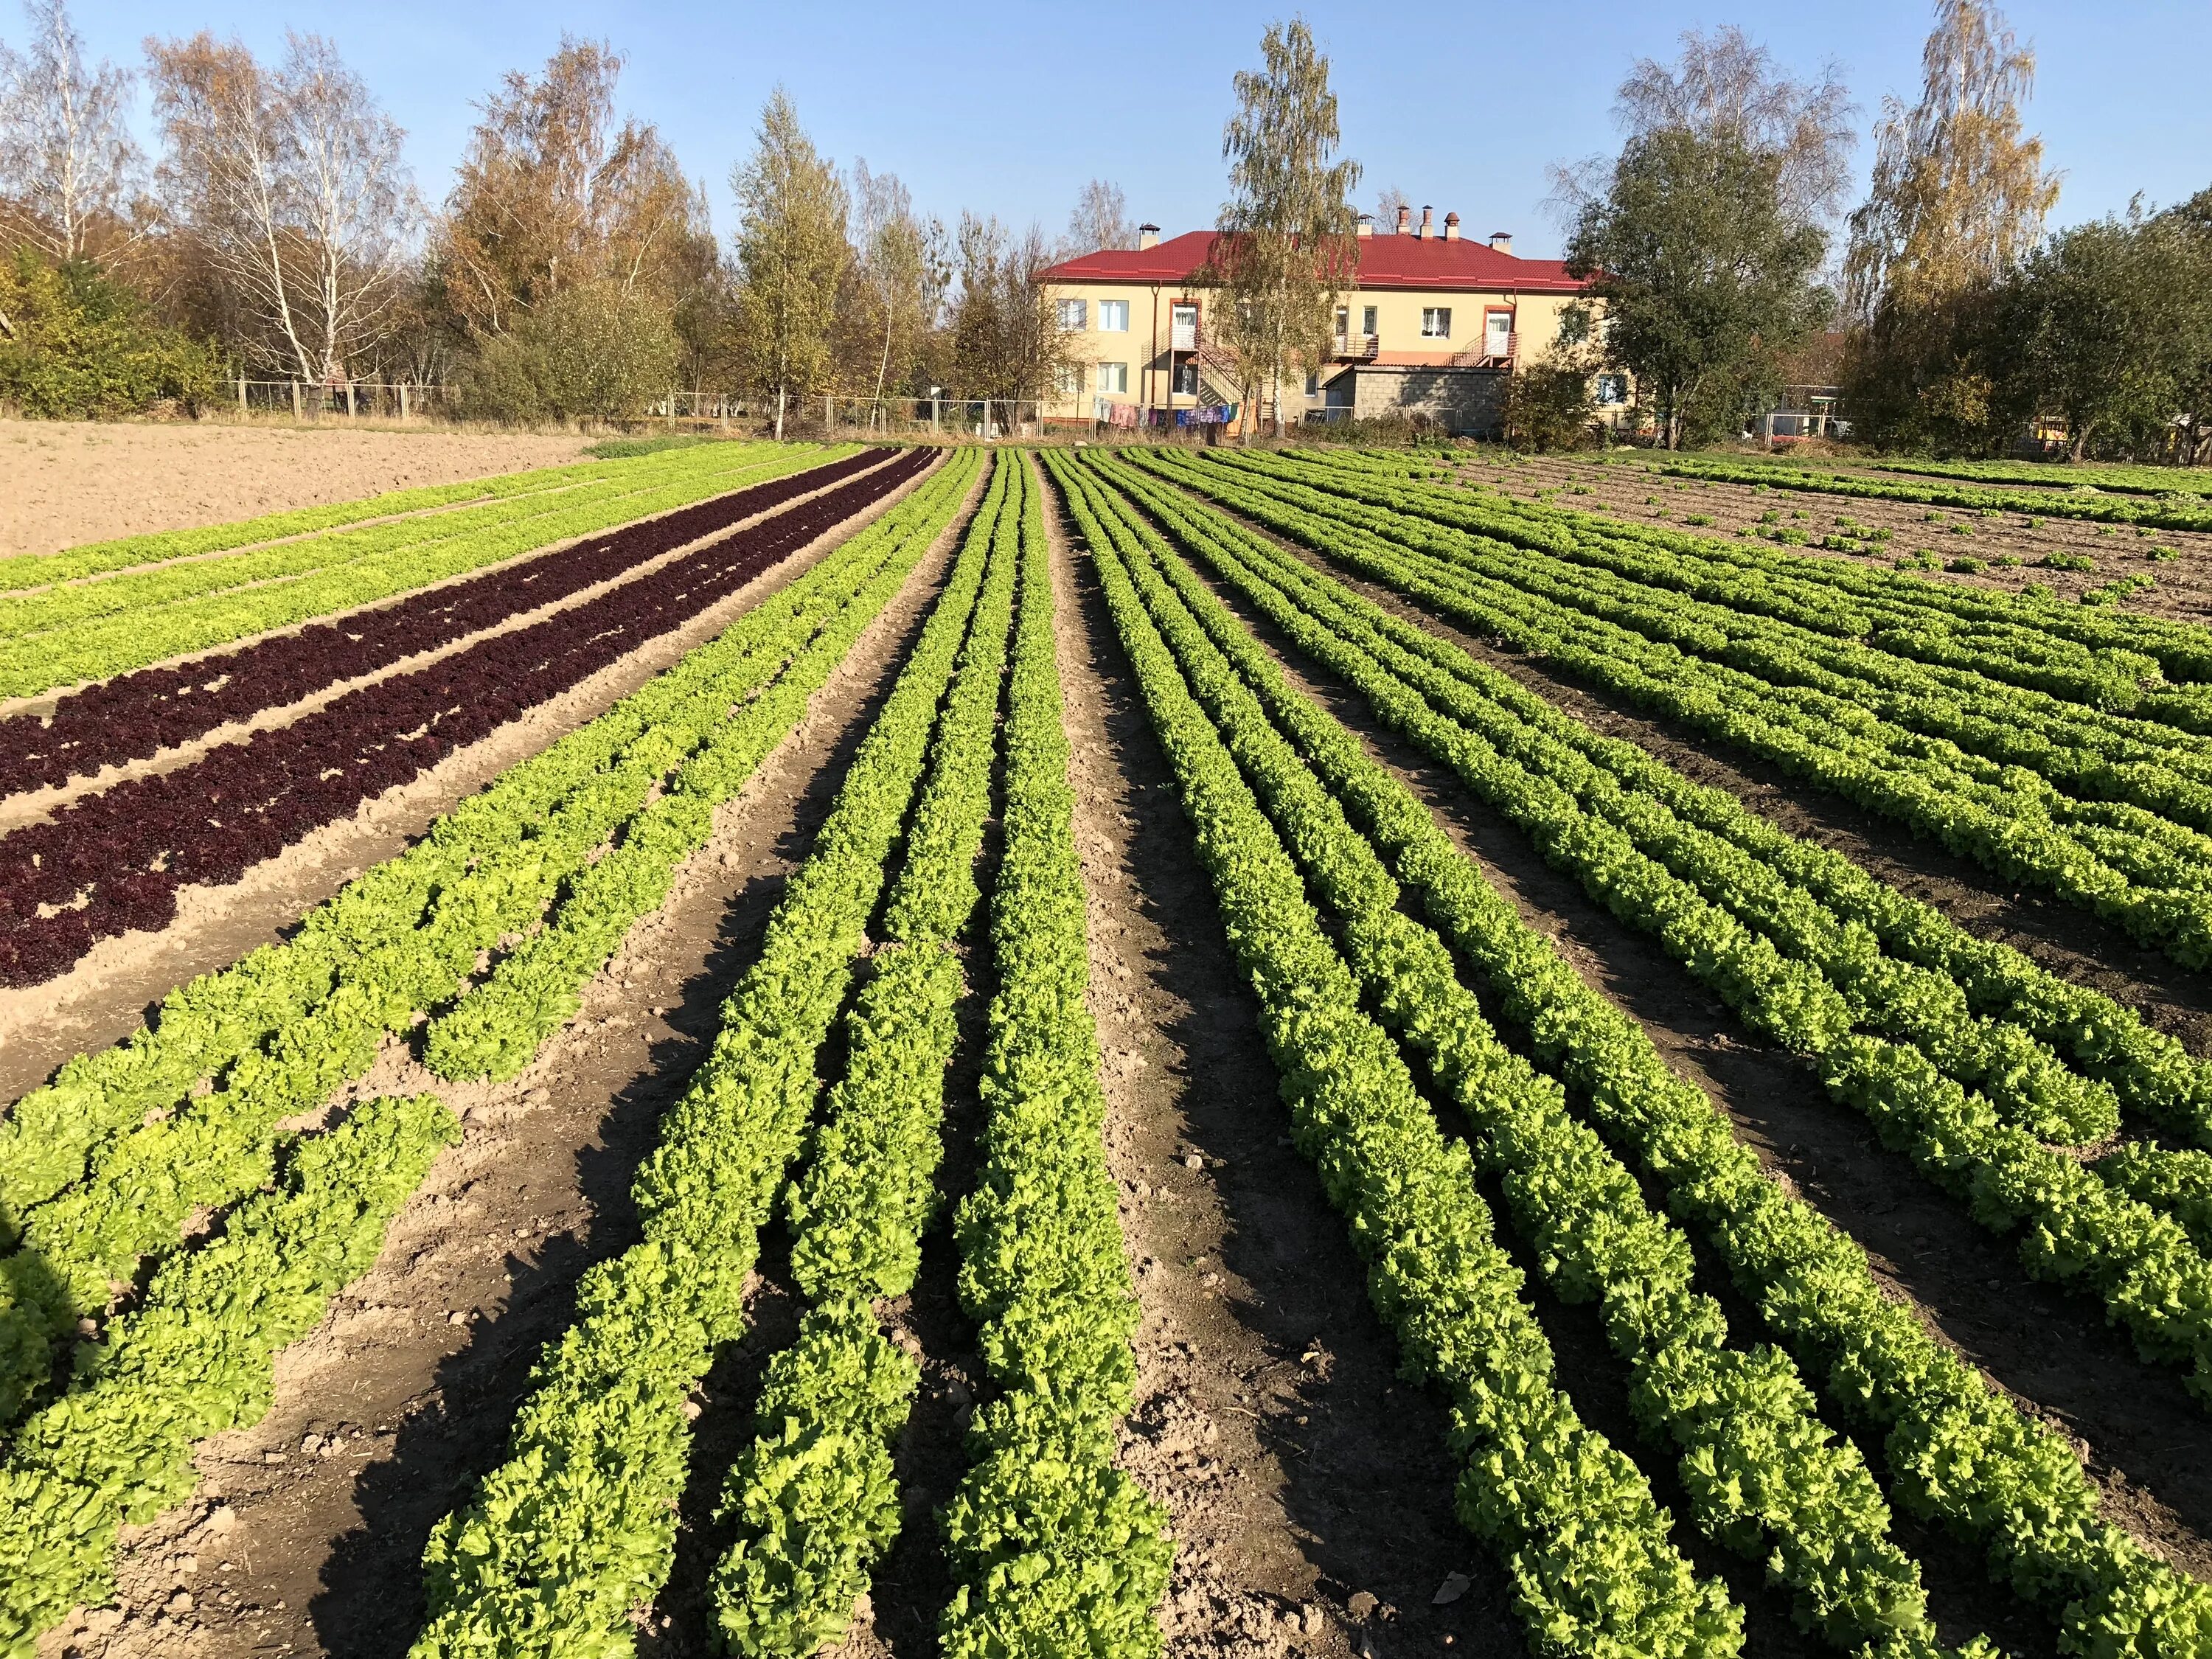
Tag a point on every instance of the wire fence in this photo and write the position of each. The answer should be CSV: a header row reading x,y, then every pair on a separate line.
x,y
358,400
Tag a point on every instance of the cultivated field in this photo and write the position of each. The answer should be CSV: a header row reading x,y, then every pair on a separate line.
x,y
755,1050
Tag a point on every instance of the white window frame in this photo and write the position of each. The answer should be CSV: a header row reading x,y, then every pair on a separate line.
x,y
1436,322
1113,378
1113,316
1370,319
1189,367
1069,378
1073,315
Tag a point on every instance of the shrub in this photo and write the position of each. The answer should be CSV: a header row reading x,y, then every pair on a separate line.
x,y
588,353
80,346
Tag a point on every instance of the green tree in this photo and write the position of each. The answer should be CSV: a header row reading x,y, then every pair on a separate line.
x,y
792,250
587,351
1704,280
1959,196
1701,240
895,287
74,344
1288,244
1551,406
1007,344
2096,324
2189,224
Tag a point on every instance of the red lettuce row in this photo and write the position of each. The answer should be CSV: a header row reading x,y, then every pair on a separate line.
x,y
113,863
138,714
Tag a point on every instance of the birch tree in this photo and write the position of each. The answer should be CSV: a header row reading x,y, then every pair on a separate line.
x,y
69,167
897,284
1101,220
1288,245
293,179
791,250
1958,199
551,193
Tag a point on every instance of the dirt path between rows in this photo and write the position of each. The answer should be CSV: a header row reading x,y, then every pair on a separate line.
x,y
107,994
2147,1443
66,482
308,1533
1309,1490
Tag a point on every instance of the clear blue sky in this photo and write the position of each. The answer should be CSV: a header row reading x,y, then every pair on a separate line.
x,y
1010,108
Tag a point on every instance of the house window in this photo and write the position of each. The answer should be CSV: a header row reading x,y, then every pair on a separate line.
x,y
1182,325
1343,320
1612,390
1436,322
1113,377
1186,380
1074,315
1113,316
1313,385
1367,319
1069,378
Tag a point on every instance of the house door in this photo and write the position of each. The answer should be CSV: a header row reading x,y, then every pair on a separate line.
x,y
1496,333
1182,325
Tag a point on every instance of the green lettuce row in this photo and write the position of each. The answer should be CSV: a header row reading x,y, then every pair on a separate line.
x,y
1052,1549
2167,514
206,1024
132,631
496,1028
2081,863
148,592
814,1499
195,1359
100,1167
2109,855
1594,1566
2077,1228
578,1527
145,590
97,558
2180,1182
2126,480
1869,627
1766,1477
1812,654
2150,1071
1958,1451
2180,648
2024,1079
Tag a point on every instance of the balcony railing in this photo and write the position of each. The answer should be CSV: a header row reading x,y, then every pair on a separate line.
x,y
1486,354
1356,348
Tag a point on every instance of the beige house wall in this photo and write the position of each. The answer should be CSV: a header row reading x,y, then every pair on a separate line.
x,y
1144,347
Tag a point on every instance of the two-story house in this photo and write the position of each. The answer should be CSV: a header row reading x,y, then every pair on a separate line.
x,y
1435,324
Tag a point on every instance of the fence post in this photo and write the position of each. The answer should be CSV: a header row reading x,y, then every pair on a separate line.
x,y
932,417
297,413
402,400
351,411
242,394
829,414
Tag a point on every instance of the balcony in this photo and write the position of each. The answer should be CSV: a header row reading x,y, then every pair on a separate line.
x,y
1487,355
1356,348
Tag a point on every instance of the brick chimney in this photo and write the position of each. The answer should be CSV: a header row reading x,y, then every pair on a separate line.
x,y
1428,222
1366,224
1149,236
1405,220
1451,226
1501,241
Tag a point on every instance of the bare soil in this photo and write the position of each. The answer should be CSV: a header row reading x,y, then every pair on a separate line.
x,y
66,482
1626,492
307,1533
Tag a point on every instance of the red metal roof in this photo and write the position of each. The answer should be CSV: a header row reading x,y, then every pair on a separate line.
x,y
1385,261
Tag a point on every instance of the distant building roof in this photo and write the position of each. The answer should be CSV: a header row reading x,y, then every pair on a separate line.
x,y
1385,261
